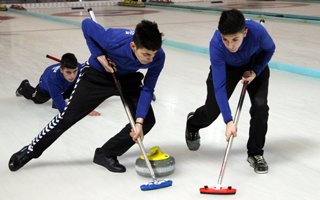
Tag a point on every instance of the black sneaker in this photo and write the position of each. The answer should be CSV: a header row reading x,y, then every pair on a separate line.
x,y
109,162
21,86
258,163
192,138
19,159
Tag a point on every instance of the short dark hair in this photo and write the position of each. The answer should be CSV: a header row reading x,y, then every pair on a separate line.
x,y
147,35
231,22
69,60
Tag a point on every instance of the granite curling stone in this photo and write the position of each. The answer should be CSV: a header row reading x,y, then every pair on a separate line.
x,y
162,163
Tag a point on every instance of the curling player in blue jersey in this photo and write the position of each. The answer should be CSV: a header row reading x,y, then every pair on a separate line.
x,y
113,50
239,50
56,83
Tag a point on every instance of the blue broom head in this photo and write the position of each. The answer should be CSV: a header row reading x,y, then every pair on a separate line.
x,y
156,185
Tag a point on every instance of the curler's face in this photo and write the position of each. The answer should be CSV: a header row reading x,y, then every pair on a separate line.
x,y
144,55
69,74
233,41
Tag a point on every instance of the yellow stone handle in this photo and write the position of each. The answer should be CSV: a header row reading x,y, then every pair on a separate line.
x,y
155,153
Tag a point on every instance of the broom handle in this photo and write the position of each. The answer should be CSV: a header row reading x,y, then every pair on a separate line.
x,y
236,119
128,112
53,58
132,123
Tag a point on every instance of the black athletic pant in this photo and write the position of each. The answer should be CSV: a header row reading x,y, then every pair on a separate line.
x,y
34,94
38,96
91,89
259,111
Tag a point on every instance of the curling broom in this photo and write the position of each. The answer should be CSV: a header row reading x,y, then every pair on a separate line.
x,y
218,189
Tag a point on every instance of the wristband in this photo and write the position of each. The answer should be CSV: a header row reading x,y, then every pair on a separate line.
x,y
139,123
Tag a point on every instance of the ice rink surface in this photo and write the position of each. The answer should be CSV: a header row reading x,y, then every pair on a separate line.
x,y
66,170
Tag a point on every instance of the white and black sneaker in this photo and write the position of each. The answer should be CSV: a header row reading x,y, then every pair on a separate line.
x,y
23,84
258,163
192,138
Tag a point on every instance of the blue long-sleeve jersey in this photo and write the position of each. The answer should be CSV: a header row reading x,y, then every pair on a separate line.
x,y
53,82
257,43
115,43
